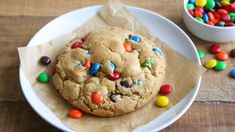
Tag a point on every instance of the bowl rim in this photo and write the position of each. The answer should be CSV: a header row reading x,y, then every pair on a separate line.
x,y
203,24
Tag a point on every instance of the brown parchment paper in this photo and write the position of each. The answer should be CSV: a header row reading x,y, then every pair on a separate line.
x,y
181,73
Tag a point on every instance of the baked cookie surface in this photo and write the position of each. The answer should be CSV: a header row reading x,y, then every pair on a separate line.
x,y
109,72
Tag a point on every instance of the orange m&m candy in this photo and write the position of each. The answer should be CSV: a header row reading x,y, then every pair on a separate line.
x,y
128,47
222,56
97,98
76,114
87,64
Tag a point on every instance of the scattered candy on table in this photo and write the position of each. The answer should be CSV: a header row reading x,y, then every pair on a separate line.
x,y
220,66
232,53
45,60
213,12
43,77
76,114
210,63
165,89
162,101
97,98
200,54
215,48
222,56
232,73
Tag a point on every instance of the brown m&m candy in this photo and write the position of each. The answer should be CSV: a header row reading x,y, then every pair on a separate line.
x,y
45,60
232,53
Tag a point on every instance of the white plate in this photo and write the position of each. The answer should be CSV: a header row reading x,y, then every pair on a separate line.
x,y
161,27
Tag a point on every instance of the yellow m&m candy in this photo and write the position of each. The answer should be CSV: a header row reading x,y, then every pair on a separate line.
x,y
162,101
211,63
200,3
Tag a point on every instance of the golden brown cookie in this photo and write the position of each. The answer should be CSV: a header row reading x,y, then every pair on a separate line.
x,y
109,72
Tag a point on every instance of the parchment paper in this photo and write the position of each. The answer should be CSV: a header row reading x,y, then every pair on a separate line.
x,y
181,73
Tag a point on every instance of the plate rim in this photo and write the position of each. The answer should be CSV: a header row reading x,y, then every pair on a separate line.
x,y
169,122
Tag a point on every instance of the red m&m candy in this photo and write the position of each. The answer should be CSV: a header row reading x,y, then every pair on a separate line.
x,y
165,89
215,48
76,45
114,76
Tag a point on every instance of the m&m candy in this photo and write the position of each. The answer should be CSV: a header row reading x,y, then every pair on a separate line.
x,y
222,56
232,73
77,44
114,76
211,63
165,89
97,98
87,64
220,66
76,114
200,54
215,48
213,12
135,39
128,47
162,101
232,53
45,60
95,68
43,77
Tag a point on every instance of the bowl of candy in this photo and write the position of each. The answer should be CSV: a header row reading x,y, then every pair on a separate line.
x,y
210,20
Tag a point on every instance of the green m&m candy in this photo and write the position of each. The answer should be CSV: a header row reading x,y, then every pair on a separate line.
x,y
210,4
43,77
199,19
190,6
220,66
200,54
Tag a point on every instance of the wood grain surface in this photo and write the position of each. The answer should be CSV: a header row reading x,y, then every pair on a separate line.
x,y
21,19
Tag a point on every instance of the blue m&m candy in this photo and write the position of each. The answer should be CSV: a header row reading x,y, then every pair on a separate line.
x,y
205,17
191,1
157,51
112,65
95,68
232,73
135,39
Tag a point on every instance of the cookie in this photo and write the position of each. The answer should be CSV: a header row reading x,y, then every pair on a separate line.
x,y
109,72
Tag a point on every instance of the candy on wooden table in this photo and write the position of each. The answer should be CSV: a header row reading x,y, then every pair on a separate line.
x,y
220,66
232,53
232,73
222,56
200,54
211,63
215,48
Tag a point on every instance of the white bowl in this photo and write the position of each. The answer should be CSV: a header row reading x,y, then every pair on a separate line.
x,y
207,32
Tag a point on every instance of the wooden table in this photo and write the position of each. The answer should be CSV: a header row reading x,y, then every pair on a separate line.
x,y
21,19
